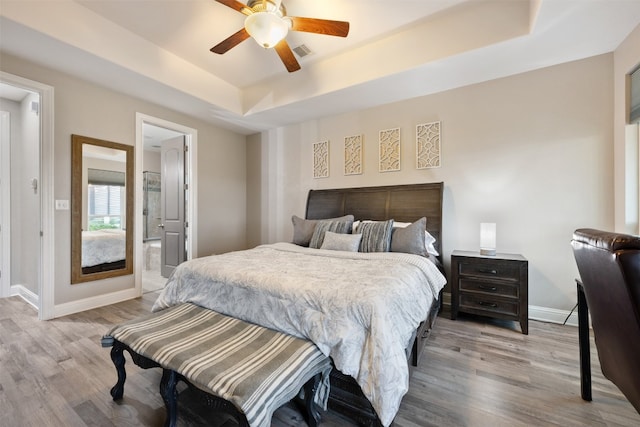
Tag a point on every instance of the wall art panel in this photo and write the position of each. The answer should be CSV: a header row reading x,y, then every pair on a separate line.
x,y
428,145
353,155
389,150
321,159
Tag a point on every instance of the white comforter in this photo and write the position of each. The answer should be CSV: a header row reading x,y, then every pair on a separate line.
x,y
103,246
359,308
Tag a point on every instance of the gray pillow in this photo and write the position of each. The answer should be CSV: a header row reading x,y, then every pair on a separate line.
x,y
410,239
341,242
376,236
303,228
324,225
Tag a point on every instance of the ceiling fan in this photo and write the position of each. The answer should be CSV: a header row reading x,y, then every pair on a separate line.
x,y
267,22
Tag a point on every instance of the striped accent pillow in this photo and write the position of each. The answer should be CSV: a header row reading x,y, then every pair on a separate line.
x,y
376,235
343,227
303,228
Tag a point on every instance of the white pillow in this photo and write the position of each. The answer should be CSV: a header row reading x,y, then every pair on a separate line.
x,y
429,240
341,242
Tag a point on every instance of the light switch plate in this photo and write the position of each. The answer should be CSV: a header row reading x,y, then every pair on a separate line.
x,y
62,205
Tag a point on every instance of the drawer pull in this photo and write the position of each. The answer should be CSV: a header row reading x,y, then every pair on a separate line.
x,y
488,304
487,288
488,271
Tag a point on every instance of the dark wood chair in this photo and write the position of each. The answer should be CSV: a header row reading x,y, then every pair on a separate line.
x,y
609,266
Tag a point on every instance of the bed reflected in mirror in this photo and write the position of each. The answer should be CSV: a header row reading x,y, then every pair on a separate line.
x,y
101,209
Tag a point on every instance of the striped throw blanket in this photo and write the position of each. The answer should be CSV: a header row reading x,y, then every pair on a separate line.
x,y
255,368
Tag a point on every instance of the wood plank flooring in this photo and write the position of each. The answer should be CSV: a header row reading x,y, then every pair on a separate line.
x,y
474,372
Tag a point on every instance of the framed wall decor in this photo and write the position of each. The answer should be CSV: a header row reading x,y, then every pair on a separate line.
x,y
428,145
321,159
389,150
353,155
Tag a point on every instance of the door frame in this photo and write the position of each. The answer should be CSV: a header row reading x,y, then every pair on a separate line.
x,y
47,213
5,195
191,233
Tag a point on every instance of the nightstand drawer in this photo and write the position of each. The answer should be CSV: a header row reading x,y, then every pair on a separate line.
x,y
478,304
510,290
505,271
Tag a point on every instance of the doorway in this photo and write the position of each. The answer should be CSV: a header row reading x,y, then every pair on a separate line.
x,y
21,223
26,186
151,245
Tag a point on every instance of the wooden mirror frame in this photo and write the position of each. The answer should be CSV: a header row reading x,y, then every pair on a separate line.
x,y
77,202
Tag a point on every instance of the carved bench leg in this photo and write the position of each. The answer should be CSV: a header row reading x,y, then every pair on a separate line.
x,y
216,403
117,356
169,395
309,408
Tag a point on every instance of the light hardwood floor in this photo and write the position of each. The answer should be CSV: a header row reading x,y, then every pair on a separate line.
x,y
474,372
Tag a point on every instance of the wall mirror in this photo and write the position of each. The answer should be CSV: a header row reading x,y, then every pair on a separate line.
x,y
101,209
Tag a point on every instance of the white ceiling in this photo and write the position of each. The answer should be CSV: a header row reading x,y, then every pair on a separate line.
x,y
158,50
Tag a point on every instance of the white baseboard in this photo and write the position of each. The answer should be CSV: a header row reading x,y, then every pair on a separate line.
x,y
552,315
543,314
26,294
65,309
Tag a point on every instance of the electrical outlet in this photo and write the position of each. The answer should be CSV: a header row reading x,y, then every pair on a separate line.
x,y
62,205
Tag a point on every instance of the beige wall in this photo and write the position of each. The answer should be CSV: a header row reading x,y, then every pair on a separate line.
x,y
87,109
531,152
151,161
254,190
626,188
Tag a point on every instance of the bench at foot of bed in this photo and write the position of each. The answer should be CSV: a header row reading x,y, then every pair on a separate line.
x,y
243,369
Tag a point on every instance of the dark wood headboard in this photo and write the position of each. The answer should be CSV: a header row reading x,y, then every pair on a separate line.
x,y
403,203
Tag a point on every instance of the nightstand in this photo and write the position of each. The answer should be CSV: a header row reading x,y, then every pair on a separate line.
x,y
494,286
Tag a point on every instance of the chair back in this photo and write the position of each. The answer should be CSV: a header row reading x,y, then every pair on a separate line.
x,y
609,266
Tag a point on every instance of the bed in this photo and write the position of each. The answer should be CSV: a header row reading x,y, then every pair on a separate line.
x,y
103,250
372,329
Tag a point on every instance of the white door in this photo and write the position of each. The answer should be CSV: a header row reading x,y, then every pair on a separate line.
x,y
172,201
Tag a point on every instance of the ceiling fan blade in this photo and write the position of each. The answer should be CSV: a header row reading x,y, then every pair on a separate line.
x,y
320,26
286,55
230,42
236,5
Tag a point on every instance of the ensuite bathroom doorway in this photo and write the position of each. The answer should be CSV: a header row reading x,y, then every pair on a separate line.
x,y
152,220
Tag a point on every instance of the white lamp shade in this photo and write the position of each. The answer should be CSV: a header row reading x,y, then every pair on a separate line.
x,y
487,238
266,28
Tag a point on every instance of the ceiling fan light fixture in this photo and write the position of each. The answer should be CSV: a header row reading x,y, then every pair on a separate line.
x,y
266,28
268,24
